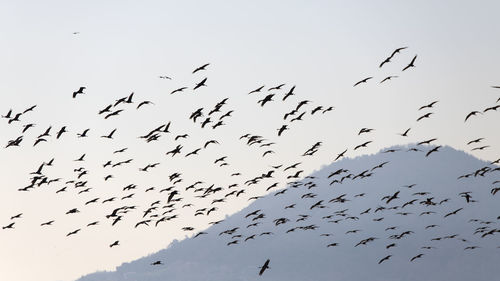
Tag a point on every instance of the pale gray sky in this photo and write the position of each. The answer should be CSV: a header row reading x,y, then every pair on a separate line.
x,y
322,47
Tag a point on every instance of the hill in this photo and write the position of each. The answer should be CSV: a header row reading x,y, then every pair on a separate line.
x,y
424,213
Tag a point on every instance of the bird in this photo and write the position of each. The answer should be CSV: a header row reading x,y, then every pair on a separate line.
x,y
362,145
411,64
472,113
110,135
83,134
9,226
73,232
481,147
27,126
475,141
384,259
416,257
276,87
364,130
394,196
8,115
398,50
453,213
362,81
405,134
466,195
264,267
282,129
427,141
210,142
114,113
290,93
266,99
492,108
256,90
430,105
200,84
61,131
427,115
435,149
16,216
47,223
31,108
144,103
340,155
388,59
203,67
116,243
388,78
178,90
81,158
79,91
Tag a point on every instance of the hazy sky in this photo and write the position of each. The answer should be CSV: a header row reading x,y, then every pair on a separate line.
x,y
321,47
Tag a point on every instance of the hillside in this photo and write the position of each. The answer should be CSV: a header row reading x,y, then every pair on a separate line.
x,y
322,215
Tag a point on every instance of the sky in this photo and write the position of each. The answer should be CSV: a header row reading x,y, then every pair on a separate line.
x,y
321,47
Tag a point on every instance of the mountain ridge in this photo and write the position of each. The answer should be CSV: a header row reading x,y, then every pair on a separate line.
x,y
302,253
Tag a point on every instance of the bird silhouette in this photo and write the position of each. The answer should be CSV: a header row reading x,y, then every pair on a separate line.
x,y
178,90
362,145
110,135
430,105
411,64
203,67
276,87
200,84
289,94
362,81
264,267
405,134
472,113
73,232
78,92
9,226
384,259
388,78
257,90
427,115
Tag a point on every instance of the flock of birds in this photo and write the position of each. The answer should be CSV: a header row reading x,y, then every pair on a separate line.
x,y
209,196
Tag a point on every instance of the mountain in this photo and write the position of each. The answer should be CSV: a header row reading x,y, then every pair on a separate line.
x,y
298,251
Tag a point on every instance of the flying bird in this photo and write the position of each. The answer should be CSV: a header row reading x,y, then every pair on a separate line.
x,y
203,67
78,92
362,81
405,134
427,115
473,113
276,87
257,90
411,64
200,84
388,78
430,105
264,267
178,90
384,259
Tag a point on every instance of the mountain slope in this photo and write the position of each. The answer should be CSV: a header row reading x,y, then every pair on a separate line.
x,y
298,249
